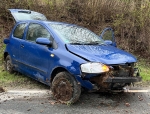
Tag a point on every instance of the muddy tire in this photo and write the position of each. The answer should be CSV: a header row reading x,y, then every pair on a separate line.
x,y
8,64
65,88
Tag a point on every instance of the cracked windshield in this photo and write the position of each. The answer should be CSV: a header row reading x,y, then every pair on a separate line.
x,y
77,35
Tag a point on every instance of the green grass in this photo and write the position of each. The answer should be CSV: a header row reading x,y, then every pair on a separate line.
x,y
144,70
18,80
5,77
2,47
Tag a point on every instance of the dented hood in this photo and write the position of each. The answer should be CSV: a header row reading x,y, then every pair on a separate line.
x,y
102,53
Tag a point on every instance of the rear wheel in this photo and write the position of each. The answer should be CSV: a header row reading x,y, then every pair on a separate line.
x,y
65,88
8,64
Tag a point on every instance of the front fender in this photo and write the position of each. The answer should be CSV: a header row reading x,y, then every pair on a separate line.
x,y
68,61
84,83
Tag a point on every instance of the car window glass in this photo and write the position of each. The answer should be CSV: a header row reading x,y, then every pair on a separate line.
x,y
107,35
18,32
75,34
27,15
35,31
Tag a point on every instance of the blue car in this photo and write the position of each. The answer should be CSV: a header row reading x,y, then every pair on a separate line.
x,y
67,57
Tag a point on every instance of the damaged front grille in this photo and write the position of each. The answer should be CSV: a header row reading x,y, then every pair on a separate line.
x,y
126,70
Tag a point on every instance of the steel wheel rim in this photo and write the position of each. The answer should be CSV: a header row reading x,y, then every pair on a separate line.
x,y
63,90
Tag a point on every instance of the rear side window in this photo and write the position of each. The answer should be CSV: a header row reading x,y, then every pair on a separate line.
x,y
18,32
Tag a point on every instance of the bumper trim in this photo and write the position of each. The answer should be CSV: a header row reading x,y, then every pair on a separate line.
x,y
123,79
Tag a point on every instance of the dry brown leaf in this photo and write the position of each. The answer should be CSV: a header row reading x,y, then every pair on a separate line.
x,y
127,104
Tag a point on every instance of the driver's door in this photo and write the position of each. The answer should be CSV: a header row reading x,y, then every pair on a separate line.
x,y
35,58
108,36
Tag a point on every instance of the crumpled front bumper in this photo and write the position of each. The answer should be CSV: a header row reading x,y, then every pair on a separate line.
x,y
123,79
107,81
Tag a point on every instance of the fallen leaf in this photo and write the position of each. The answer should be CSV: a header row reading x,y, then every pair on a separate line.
x,y
41,111
5,100
25,96
28,109
140,98
127,104
52,102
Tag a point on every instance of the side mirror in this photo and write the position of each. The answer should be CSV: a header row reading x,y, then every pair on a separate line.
x,y
109,42
43,41
6,41
108,36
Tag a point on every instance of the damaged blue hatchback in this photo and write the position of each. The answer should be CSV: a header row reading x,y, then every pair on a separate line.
x,y
67,57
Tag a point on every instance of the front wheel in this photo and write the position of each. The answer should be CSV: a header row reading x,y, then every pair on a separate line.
x,y
65,88
8,64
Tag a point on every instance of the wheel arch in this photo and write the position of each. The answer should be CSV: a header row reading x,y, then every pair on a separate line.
x,y
5,55
56,71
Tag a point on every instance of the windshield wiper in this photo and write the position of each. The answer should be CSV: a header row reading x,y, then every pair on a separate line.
x,y
76,43
93,43
89,43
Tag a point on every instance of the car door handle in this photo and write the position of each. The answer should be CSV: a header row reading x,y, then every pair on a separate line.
x,y
22,46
